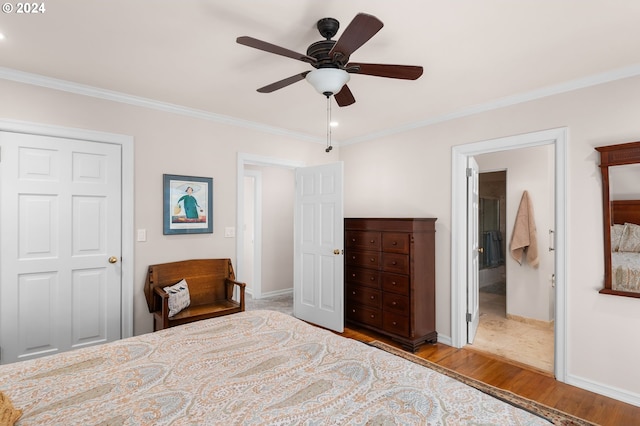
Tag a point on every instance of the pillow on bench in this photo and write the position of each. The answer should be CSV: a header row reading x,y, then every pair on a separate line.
x,y
178,297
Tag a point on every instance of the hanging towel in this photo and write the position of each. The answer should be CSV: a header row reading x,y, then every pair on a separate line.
x,y
524,243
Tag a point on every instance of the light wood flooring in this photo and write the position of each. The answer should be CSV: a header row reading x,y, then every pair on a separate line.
x,y
518,378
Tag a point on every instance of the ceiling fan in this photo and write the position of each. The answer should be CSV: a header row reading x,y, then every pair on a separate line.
x,y
330,58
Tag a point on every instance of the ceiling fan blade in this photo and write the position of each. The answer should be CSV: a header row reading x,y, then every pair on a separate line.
x,y
406,72
283,83
344,97
272,48
357,33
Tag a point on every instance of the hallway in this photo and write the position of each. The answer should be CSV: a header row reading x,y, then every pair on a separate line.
x,y
527,343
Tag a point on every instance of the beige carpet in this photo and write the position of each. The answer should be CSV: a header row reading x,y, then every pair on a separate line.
x,y
530,344
281,303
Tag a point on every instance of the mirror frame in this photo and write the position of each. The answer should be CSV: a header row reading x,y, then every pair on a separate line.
x,y
613,155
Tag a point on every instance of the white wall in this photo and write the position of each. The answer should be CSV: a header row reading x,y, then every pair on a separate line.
x,y
402,175
529,289
412,178
164,143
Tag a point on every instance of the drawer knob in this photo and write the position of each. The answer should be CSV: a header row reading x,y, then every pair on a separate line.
x,y
372,259
353,275
395,323
394,303
373,297
372,278
354,292
394,263
372,241
353,310
353,240
395,243
393,283
373,316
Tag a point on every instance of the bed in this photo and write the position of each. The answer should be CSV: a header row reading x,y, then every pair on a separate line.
x,y
249,368
625,246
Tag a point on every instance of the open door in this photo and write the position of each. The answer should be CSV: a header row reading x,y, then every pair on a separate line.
x,y
473,250
318,284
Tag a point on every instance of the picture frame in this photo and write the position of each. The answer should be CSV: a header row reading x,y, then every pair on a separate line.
x,y
187,204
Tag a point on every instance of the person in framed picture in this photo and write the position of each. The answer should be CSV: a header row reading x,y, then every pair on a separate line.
x,y
190,203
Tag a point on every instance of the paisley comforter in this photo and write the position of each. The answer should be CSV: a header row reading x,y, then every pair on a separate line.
x,y
250,368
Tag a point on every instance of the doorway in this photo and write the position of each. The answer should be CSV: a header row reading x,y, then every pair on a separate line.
x,y
523,331
557,138
260,178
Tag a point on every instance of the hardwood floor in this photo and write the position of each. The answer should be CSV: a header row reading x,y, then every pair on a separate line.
x,y
522,380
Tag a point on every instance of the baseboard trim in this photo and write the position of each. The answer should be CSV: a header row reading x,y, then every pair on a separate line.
x,y
274,293
606,390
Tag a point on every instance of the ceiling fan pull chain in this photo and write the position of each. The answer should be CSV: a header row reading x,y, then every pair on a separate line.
x,y
329,147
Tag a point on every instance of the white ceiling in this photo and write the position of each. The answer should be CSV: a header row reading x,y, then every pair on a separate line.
x,y
183,52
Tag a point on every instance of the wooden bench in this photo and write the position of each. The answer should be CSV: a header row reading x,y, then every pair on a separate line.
x,y
211,283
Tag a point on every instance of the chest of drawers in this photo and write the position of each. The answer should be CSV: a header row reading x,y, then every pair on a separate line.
x,y
390,278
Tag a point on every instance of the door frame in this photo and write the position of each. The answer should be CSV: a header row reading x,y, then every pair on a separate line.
x,y
558,137
254,160
127,213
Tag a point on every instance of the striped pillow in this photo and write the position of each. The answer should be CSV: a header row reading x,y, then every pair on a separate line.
x,y
178,297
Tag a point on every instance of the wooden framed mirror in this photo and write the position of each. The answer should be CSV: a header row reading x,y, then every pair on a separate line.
x,y
620,168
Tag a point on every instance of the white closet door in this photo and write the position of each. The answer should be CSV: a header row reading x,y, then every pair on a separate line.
x,y
60,222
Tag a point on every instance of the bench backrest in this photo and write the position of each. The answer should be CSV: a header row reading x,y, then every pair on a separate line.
x,y
205,278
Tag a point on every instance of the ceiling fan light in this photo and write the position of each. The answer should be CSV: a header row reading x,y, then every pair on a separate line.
x,y
328,80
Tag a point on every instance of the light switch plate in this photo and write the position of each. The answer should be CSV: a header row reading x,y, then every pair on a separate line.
x,y
142,235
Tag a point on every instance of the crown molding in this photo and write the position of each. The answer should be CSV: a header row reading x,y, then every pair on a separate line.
x,y
581,83
96,92
110,95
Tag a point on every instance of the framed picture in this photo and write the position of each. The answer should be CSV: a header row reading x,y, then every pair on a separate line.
x,y
188,204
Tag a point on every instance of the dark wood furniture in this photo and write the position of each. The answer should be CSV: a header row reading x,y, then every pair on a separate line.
x,y
616,211
211,283
390,278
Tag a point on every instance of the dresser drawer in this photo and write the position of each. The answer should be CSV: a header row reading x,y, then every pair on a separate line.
x,y
363,240
392,262
365,259
372,317
395,303
395,242
395,283
395,323
366,296
362,276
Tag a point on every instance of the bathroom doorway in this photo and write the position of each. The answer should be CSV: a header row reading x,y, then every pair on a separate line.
x,y
516,301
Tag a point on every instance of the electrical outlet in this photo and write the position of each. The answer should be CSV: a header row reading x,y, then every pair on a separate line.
x,y
229,232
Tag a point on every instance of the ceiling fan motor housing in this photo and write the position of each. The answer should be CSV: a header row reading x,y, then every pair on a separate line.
x,y
328,27
320,50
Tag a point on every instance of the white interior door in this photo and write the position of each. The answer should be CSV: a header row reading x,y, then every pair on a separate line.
x,y
473,267
318,285
60,222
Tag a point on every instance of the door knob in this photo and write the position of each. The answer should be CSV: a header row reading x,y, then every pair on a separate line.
x,y
336,251
481,249
113,259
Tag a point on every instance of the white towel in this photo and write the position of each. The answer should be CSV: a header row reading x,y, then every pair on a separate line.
x,y
524,243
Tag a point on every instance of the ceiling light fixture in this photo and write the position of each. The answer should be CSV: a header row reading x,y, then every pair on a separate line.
x,y
328,82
